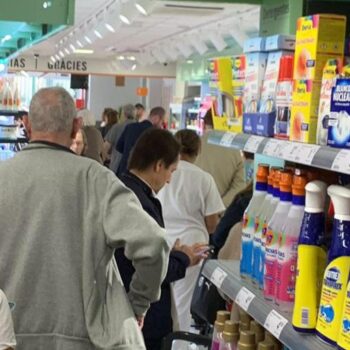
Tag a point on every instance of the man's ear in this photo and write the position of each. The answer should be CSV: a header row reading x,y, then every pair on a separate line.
x,y
158,166
76,127
27,125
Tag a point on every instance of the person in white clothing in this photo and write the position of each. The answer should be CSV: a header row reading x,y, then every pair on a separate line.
x,y
7,333
191,207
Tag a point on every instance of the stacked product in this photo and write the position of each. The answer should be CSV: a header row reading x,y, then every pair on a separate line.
x,y
319,38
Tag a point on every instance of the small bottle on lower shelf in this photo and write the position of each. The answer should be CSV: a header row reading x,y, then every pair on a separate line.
x,y
246,341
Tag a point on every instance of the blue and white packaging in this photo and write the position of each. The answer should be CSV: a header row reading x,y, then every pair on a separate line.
x,y
280,42
339,122
254,45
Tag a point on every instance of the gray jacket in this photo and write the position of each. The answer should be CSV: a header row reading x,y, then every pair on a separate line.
x,y
61,218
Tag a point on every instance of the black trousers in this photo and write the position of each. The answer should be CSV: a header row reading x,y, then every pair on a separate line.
x,y
153,344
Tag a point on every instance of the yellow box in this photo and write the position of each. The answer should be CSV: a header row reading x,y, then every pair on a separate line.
x,y
318,38
304,112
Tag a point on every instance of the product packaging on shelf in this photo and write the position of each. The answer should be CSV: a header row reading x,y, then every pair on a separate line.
x,y
337,272
344,335
339,122
318,39
219,326
305,105
254,45
330,73
280,42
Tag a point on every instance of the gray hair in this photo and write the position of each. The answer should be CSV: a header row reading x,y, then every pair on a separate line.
x,y
129,111
52,110
87,116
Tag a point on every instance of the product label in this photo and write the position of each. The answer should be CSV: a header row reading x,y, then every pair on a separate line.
x,y
257,248
344,336
215,345
247,244
332,298
271,249
286,268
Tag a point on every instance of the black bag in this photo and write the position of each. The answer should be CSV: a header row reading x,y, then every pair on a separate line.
x,y
206,300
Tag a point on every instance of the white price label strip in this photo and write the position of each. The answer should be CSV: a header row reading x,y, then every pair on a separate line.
x,y
306,154
253,144
227,139
244,298
284,150
341,162
275,323
272,148
218,277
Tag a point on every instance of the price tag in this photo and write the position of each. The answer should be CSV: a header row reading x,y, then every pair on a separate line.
x,y
284,150
218,277
244,298
341,162
275,323
253,144
306,154
227,139
272,148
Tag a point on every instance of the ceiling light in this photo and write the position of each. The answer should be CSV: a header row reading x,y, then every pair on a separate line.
x,y
57,57
72,47
189,61
87,39
109,27
84,52
218,41
143,6
127,13
131,58
61,53
25,74
6,38
66,51
79,43
98,34
120,58
134,66
53,59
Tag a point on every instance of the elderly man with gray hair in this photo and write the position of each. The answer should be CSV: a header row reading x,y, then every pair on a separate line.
x,y
62,216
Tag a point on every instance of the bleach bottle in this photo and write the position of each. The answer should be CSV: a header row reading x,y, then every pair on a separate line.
x,y
288,247
248,229
311,258
337,272
344,335
273,231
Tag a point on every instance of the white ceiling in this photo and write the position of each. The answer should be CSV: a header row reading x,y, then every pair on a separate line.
x,y
170,32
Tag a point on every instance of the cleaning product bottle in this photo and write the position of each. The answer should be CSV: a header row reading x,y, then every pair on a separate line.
x,y
230,336
258,330
265,345
274,179
269,338
311,258
274,228
337,272
249,220
219,326
288,247
247,341
344,335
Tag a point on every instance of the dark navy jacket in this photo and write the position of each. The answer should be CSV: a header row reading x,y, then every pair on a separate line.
x,y
127,141
158,322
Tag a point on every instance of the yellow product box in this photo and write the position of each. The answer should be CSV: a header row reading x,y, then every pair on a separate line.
x,y
318,38
220,83
304,112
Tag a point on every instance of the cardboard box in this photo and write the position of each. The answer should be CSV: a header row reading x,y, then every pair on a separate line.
x,y
339,123
254,45
305,103
280,42
318,38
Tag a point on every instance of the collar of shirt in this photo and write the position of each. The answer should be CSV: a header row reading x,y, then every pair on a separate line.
x,y
146,185
47,144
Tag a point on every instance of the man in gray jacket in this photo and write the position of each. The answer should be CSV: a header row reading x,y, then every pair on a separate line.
x,y
61,217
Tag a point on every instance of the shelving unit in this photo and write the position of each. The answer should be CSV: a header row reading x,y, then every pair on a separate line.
x,y
322,157
225,275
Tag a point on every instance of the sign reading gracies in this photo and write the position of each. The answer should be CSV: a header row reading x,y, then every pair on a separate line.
x,y
37,64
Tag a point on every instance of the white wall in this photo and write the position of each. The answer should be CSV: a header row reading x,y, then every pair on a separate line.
x,y
104,93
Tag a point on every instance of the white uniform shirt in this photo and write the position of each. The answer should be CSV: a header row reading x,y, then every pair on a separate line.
x,y
190,197
7,334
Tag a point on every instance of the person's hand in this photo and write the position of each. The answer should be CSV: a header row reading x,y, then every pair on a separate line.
x,y
195,252
140,321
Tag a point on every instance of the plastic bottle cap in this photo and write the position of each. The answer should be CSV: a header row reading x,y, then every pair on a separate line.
x,y
219,326
244,317
299,183
231,327
262,173
244,326
247,340
286,182
266,345
276,179
230,337
271,339
222,316
315,196
258,330
341,201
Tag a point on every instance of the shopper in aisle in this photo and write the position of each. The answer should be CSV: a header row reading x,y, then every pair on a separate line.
x,y
93,135
151,165
79,144
225,165
109,118
113,136
7,333
191,204
132,133
57,254
140,112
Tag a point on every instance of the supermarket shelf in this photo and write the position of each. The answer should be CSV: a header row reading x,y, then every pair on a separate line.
x,y
7,112
322,157
22,140
225,275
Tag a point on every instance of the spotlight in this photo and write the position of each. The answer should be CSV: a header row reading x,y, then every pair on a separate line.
x,y
143,6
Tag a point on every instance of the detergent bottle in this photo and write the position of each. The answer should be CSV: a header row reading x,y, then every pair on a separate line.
x,y
288,247
248,229
344,335
260,221
230,336
219,326
335,278
311,258
274,178
273,231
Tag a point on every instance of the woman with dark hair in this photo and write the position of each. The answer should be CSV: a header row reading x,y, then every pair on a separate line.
x,y
109,118
191,206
